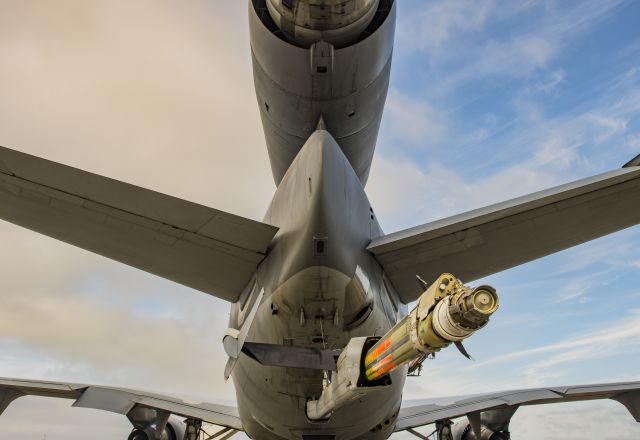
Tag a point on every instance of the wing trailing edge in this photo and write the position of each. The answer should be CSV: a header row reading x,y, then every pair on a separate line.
x,y
200,247
491,239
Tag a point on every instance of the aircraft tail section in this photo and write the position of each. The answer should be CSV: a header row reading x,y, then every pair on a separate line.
x,y
324,215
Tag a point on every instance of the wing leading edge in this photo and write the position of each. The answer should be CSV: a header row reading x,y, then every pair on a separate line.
x,y
200,247
419,413
488,240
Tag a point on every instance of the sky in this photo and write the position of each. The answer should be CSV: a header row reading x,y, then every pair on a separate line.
x,y
488,100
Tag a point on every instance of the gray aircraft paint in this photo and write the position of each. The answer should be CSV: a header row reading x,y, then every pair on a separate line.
x,y
295,86
328,275
320,197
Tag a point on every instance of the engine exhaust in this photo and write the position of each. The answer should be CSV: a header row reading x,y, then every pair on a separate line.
x,y
339,22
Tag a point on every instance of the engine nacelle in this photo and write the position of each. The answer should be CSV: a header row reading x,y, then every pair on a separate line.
x,y
462,431
339,22
323,61
173,430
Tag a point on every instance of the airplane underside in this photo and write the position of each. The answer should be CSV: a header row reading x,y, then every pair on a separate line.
x,y
320,337
305,281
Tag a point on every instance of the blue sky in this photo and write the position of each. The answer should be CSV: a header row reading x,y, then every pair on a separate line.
x,y
488,100
491,100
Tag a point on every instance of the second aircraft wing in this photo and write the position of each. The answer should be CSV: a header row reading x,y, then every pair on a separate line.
x,y
488,240
118,400
499,407
200,247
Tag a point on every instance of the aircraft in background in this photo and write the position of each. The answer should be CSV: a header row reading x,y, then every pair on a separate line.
x,y
320,339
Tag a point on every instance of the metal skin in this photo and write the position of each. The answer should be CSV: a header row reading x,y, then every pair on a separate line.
x,y
321,109
149,425
304,298
339,22
296,86
318,259
447,312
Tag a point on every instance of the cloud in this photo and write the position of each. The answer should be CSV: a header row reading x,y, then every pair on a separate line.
x,y
537,152
632,142
161,95
141,101
570,421
606,126
621,335
577,290
437,191
556,78
414,120
82,312
155,94
474,40
437,23
66,314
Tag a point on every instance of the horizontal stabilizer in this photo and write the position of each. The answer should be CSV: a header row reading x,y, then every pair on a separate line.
x,y
491,239
191,244
633,162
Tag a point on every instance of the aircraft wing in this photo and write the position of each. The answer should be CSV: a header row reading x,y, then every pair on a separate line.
x,y
488,240
191,244
499,407
118,400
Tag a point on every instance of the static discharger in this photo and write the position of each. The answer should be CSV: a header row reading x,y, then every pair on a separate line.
x,y
448,311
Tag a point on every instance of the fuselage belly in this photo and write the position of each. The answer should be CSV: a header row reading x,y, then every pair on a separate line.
x,y
306,303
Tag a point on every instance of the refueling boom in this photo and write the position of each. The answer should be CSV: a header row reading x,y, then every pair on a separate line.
x,y
447,312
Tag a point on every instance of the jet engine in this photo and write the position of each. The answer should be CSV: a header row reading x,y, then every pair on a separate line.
x,y
463,431
148,428
321,64
339,22
489,425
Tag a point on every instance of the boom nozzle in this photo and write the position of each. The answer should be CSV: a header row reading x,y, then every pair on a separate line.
x,y
447,312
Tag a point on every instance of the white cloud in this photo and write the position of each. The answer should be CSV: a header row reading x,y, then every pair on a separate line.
x,y
437,192
162,96
455,31
632,142
155,94
606,126
556,78
543,151
621,335
570,421
415,120
142,101
436,23
576,290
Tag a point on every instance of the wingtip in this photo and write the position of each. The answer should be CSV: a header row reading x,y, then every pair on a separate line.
x,y
633,162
